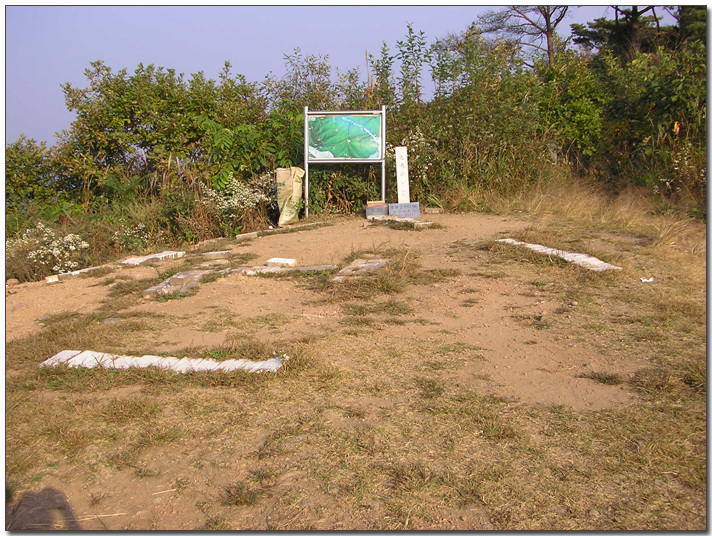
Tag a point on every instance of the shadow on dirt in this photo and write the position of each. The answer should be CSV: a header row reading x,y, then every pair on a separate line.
x,y
48,509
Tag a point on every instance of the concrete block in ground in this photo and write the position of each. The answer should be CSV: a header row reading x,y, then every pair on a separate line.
x,y
314,268
190,285
89,359
181,278
60,358
211,255
586,261
76,273
377,210
263,270
163,256
215,262
406,210
162,362
359,266
52,279
269,365
421,224
246,236
191,364
146,361
231,364
156,290
280,261
123,362
433,210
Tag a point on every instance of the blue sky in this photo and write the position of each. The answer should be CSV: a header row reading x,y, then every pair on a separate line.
x,y
46,46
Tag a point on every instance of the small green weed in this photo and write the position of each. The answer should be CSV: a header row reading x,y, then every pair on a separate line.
x,y
603,377
177,295
390,307
239,494
430,388
216,523
239,348
120,411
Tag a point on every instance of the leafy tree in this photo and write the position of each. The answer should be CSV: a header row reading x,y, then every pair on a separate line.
x,y
692,22
413,54
383,91
351,90
572,101
533,26
28,173
484,122
307,82
629,33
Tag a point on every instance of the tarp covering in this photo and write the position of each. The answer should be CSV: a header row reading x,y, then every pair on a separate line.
x,y
289,194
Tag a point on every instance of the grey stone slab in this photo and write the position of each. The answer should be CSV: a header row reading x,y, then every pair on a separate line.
x,y
581,259
187,364
405,210
216,262
146,361
164,255
181,278
263,270
359,266
271,365
377,210
161,288
211,255
60,358
314,268
76,273
231,364
281,261
123,362
246,236
163,362
89,359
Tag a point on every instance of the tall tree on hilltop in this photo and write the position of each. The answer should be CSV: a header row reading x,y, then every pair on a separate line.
x,y
533,26
632,30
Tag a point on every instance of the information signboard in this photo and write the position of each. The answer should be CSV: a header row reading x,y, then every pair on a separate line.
x,y
344,137
332,137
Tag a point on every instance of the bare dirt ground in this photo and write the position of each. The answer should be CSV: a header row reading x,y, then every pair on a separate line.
x,y
333,443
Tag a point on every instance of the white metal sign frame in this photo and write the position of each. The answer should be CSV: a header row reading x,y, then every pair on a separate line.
x,y
320,159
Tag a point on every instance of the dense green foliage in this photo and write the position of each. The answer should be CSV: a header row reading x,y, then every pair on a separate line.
x,y
626,106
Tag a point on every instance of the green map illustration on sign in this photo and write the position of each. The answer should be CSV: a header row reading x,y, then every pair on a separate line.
x,y
345,136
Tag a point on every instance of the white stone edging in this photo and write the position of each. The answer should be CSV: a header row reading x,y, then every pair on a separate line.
x,y
586,261
90,359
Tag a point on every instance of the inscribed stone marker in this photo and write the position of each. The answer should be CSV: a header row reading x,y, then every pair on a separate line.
x,y
402,174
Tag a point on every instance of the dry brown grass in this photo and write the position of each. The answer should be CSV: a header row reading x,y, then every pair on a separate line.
x,y
351,434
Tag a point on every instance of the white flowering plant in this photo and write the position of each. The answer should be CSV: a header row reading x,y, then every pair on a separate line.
x,y
135,237
688,171
421,160
41,251
239,200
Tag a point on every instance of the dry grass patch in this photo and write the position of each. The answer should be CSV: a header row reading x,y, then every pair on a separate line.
x,y
366,432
